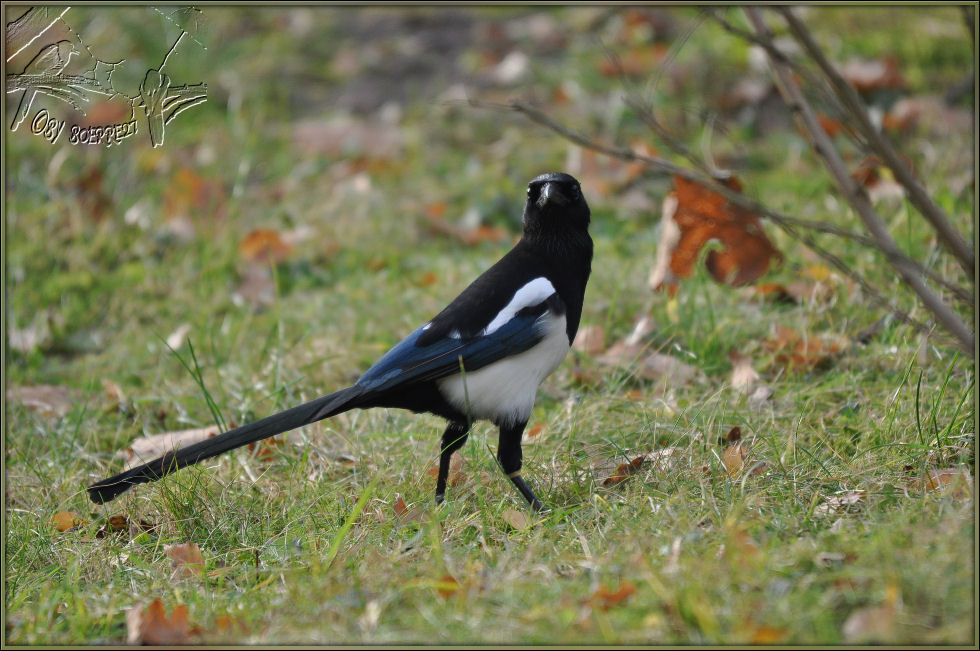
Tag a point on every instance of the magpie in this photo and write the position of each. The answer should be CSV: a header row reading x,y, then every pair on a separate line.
x,y
481,358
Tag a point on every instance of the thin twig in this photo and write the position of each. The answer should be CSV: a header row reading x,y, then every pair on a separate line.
x,y
852,102
856,195
784,221
774,51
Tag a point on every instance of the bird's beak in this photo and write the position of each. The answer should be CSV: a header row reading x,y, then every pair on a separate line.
x,y
550,193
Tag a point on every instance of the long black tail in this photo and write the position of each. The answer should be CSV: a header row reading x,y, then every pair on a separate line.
x,y
309,412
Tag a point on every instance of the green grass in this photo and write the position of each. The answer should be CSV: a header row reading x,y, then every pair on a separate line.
x,y
306,547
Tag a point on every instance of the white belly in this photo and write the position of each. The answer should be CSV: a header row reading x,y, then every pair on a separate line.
x,y
504,392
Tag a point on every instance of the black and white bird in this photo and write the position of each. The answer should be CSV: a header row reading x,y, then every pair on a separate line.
x,y
481,358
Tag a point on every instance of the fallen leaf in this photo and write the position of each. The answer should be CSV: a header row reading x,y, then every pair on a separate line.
x,y
868,75
427,279
941,479
258,288
457,470
113,393
516,519
665,459
632,352
95,201
828,559
186,560
846,503
192,195
874,623
624,471
45,399
804,353
590,340
400,507
604,598
147,448
266,449
405,513
831,126
176,338
227,624
114,524
700,215
535,429
760,395
734,458
904,115
264,246
768,635
447,586
66,520
27,339
636,62
151,626
744,377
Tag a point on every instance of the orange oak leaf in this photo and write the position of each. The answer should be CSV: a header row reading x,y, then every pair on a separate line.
x,y
694,216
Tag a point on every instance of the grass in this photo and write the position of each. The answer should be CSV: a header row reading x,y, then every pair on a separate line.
x,y
305,546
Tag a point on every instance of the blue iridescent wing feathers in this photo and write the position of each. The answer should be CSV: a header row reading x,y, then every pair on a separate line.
x,y
408,362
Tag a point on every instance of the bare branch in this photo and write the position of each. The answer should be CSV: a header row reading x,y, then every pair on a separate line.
x,y
787,223
947,233
856,195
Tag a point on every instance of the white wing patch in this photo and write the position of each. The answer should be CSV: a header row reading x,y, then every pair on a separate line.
x,y
504,391
530,294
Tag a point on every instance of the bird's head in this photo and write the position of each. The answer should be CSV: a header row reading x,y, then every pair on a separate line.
x,y
555,205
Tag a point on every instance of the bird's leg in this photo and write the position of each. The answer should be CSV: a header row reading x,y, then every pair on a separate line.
x,y
452,439
509,455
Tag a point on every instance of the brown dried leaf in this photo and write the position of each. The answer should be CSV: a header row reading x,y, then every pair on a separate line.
x,y
257,288
769,635
114,524
447,586
266,449
957,479
113,393
804,353
264,246
734,458
192,195
457,470
66,520
150,447
186,560
45,399
152,627
516,519
701,215
624,471
604,598
406,513
874,623
227,624
590,340
848,502
867,75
